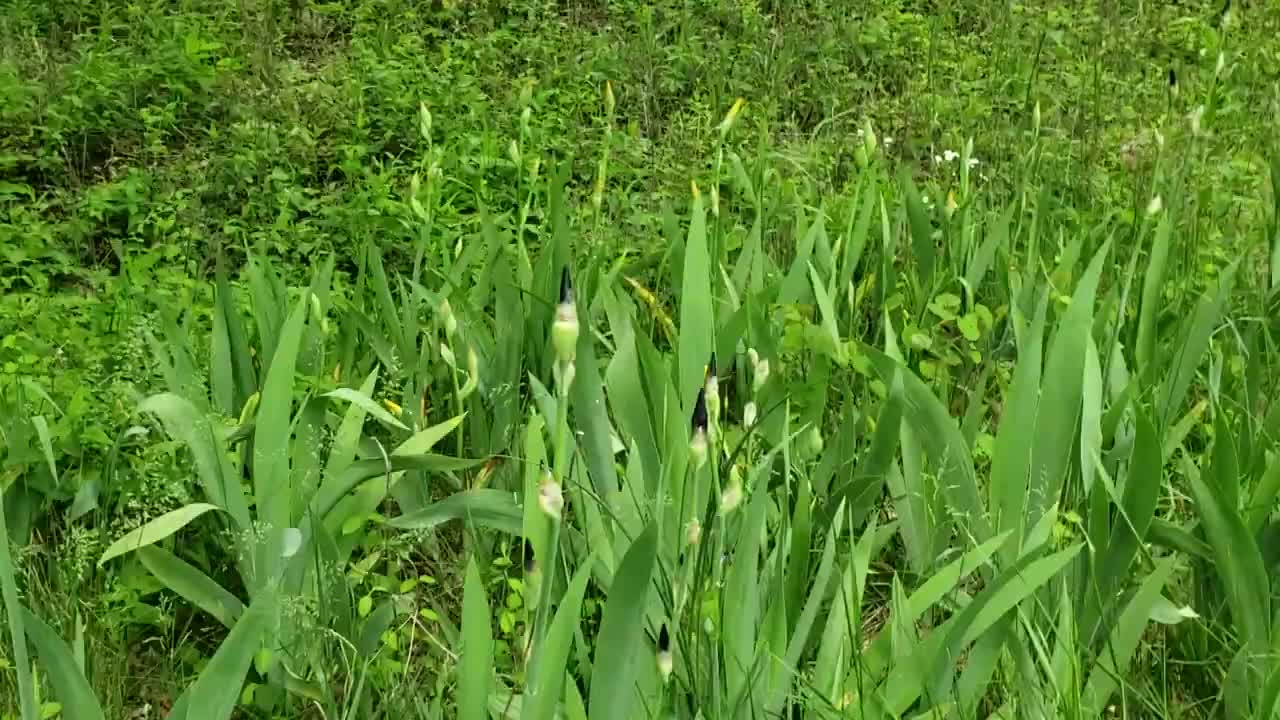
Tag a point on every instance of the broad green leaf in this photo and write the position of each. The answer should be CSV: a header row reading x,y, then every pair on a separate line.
x,y
939,585
1011,461
356,397
475,672
69,686
591,418
697,323
1239,564
423,440
183,422
944,444
1137,509
496,509
799,641
1132,623
14,612
1152,297
214,694
1058,414
155,530
1194,343
346,438
1008,590
46,445
272,482
192,584
547,684
620,642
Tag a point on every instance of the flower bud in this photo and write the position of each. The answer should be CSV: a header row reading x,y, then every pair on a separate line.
x,y
530,562
815,441
564,331
665,661
868,139
1220,66
424,121
749,415
609,102
693,531
712,387
1155,206
731,497
550,497
450,321
761,374
698,437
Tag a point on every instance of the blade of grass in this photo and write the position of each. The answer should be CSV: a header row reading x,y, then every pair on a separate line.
x,y
69,685
475,672
620,642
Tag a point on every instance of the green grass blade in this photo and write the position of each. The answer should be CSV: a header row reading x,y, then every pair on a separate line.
x,y
155,530
355,397
948,453
697,323
214,694
69,685
272,477
183,422
1006,592
1152,298
552,659
189,582
17,629
620,642
483,507
590,416
475,672
1058,415
1011,460
1239,565
1129,628
1194,343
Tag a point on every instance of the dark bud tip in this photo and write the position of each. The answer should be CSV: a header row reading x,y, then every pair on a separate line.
x,y
530,562
711,366
1173,78
566,286
664,639
700,411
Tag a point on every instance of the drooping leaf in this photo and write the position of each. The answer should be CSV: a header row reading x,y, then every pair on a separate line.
x,y
155,530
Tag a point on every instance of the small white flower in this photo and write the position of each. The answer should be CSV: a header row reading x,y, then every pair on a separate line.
x,y
693,531
1195,116
761,374
698,448
973,162
1155,206
550,497
731,498
950,155
888,141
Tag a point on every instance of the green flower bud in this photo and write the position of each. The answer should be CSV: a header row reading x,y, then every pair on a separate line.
x,y
564,331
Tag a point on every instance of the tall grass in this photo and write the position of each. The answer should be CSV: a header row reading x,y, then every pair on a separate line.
x,y
990,452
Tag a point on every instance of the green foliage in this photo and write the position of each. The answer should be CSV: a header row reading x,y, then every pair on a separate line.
x,y
917,364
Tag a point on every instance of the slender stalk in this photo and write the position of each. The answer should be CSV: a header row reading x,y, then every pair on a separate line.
x,y
9,587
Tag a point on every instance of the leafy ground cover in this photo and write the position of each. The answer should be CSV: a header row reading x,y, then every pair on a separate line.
x,y
570,359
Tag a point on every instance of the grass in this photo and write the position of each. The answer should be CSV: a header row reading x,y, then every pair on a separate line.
x,y
720,359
